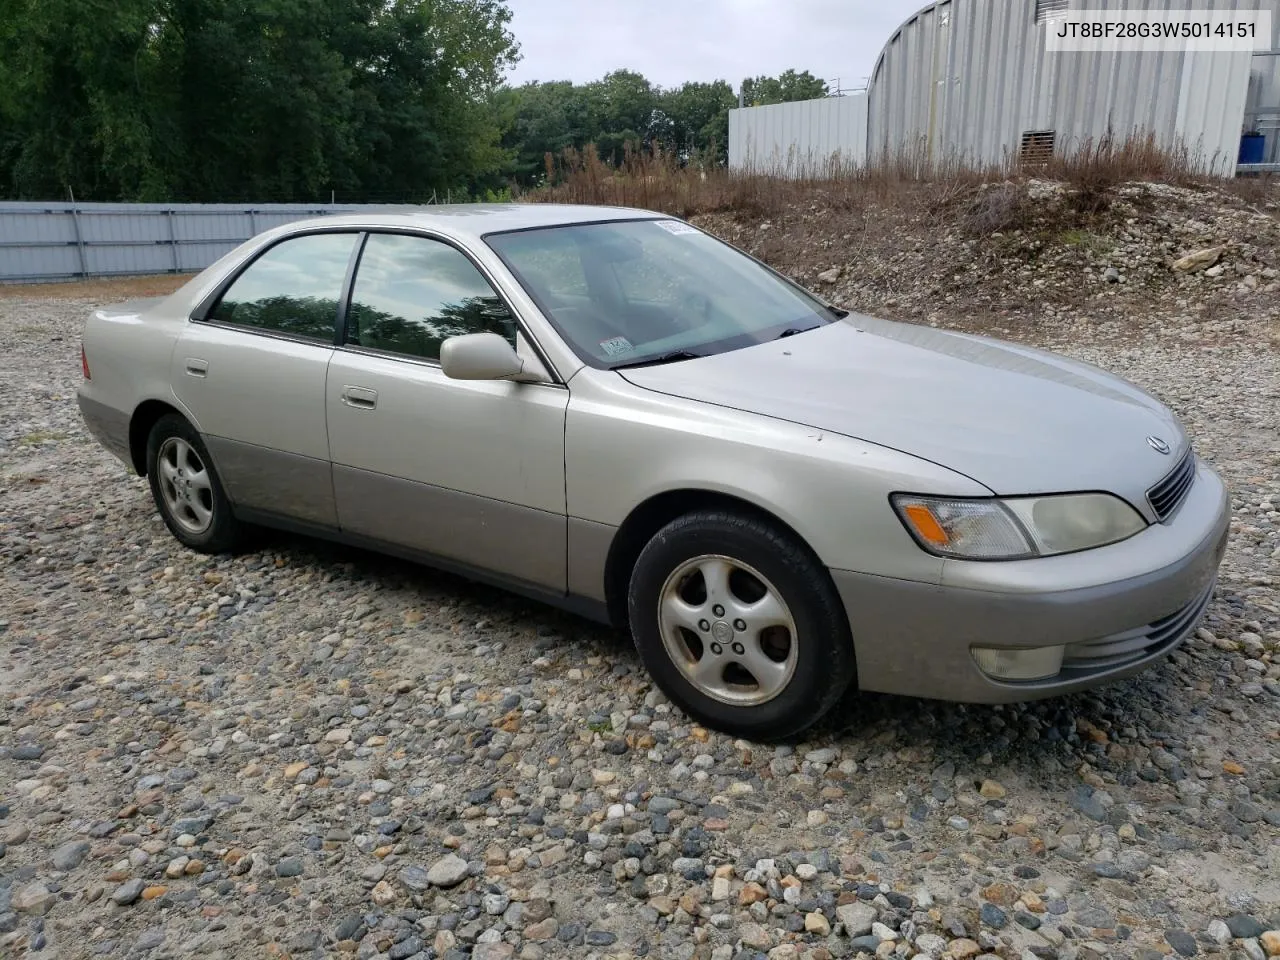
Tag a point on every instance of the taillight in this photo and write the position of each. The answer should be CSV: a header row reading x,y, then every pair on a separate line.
x,y
84,363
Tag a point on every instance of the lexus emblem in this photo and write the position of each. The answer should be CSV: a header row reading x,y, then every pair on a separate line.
x,y
1158,445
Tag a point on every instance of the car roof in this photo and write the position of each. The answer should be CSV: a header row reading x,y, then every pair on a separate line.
x,y
476,220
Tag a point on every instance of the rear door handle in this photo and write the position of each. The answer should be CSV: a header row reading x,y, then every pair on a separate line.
x,y
360,397
197,367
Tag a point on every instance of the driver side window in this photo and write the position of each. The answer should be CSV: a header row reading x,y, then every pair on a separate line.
x,y
413,293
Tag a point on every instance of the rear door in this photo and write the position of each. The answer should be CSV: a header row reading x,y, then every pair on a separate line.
x,y
252,368
467,471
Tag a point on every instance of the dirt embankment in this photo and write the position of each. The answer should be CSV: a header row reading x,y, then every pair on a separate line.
x,y
1037,259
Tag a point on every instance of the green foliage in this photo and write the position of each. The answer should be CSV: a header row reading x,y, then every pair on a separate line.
x,y
690,121
295,100
272,100
785,88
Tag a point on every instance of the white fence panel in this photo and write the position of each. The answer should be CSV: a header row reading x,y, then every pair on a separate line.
x,y
42,241
809,138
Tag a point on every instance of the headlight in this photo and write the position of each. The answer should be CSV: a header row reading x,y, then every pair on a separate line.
x,y
1016,528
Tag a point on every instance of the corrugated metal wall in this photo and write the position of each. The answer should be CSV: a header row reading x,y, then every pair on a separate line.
x,y
56,241
803,139
963,80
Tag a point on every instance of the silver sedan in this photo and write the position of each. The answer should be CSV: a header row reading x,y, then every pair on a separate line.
x,y
617,413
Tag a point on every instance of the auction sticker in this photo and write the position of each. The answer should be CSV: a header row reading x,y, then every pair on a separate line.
x,y
616,346
676,227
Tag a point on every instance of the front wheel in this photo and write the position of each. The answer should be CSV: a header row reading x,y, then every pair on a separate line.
x,y
740,625
186,488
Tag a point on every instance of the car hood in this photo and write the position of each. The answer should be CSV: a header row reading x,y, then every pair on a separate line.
x,y
1015,419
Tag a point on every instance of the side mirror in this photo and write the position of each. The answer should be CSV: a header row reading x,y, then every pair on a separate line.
x,y
480,356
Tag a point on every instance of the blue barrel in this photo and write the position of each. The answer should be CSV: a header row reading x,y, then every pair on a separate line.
x,y
1252,147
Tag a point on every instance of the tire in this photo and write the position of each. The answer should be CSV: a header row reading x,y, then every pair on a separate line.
x,y
800,645
187,490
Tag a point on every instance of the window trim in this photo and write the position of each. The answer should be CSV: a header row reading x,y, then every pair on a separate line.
x,y
522,328
201,313
361,233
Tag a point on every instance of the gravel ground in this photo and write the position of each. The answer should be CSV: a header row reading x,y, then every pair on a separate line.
x,y
310,751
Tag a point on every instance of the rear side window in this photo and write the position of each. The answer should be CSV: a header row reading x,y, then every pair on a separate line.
x,y
413,293
292,289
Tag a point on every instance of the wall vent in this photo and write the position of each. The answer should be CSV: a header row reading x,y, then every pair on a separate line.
x,y
1037,147
1046,10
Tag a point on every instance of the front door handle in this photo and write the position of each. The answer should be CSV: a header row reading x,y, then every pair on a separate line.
x,y
197,367
360,397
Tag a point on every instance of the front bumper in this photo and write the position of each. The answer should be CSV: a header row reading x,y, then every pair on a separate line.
x,y
1117,609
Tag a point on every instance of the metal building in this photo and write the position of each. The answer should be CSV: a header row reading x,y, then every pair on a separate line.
x,y
971,81
811,138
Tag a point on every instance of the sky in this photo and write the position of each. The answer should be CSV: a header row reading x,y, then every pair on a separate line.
x,y
671,41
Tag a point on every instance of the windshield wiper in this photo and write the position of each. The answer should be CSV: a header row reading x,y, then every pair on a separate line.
x,y
792,331
663,358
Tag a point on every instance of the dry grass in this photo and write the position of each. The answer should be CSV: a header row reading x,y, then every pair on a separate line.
x,y
106,288
654,180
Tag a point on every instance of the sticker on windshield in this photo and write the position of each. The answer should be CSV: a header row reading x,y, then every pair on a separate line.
x,y
676,227
616,346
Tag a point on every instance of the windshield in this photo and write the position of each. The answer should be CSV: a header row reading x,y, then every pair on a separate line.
x,y
638,291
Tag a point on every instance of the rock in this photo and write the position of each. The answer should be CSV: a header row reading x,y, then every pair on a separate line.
x,y
754,936
963,948
289,867
1001,894
1181,941
34,898
448,872
993,916
493,951
1244,927
720,888
383,893
128,892
992,790
816,922
856,918
405,949
1270,942
1253,949
415,878
70,855
1198,260
1219,932
542,929
829,276
931,944
883,932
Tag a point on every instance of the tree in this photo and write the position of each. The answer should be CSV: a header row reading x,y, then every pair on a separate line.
x,y
698,115
789,86
269,100
545,118
620,110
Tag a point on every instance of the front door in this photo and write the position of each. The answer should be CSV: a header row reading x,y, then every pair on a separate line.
x,y
467,471
252,374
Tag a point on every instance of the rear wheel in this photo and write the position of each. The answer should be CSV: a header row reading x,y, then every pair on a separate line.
x,y
186,488
740,625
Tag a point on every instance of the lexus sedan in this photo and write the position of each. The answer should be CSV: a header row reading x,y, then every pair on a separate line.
x,y
612,411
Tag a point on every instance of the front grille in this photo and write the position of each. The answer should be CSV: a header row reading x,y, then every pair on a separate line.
x,y
1138,643
1166,495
